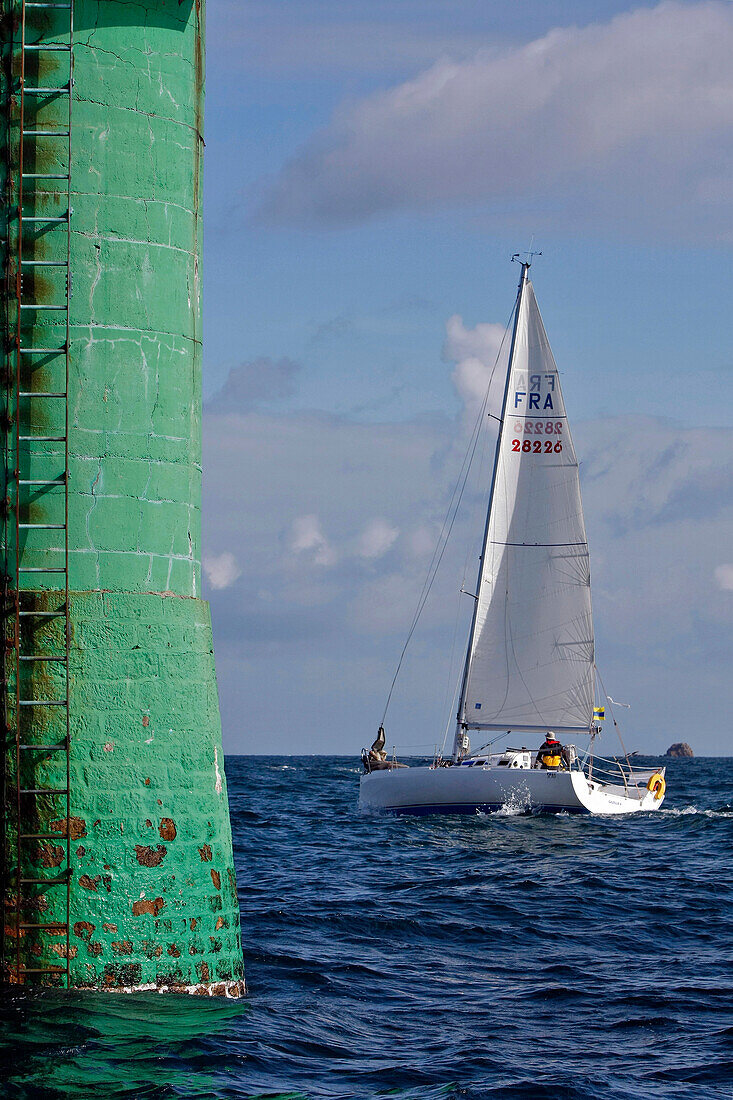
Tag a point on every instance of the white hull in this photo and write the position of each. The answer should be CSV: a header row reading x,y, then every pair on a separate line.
x,y
462,790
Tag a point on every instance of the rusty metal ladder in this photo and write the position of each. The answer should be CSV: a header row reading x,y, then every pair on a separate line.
x,y
37,634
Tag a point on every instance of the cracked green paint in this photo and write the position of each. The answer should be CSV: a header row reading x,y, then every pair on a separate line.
x,y
153,898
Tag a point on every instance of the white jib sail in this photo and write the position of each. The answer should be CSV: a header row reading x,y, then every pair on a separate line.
x,y
532,654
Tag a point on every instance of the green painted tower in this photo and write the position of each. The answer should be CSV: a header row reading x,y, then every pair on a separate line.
x,y
117,855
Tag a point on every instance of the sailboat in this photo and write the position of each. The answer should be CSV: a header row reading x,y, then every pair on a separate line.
x,y
530,664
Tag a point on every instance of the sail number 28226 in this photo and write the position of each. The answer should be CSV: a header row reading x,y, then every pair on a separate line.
x,y
537,427
536,446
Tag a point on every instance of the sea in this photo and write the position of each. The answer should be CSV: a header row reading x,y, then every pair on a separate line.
x,y
554,956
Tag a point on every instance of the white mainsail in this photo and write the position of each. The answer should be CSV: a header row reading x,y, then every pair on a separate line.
x,y
530,663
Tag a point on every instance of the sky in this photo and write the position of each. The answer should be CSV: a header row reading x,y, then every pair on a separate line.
x,y
371,167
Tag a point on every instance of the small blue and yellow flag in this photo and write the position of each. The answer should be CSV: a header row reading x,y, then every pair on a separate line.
x,y
599,713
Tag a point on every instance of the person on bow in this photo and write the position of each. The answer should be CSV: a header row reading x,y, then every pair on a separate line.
x,y
550,754
376,758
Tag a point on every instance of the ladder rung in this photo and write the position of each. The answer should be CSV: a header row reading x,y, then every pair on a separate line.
x,y
46,133
39,881
38,969
41,218
50,925
42,439
44,176
44,263
23,657
41,836
43,790
42,703
44,351
41,568
42,526
46,4
44,614
43,748
38,306
39,393
41,481
50,46
63,90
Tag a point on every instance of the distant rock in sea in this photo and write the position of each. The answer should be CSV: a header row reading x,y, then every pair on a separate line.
x,y
680,748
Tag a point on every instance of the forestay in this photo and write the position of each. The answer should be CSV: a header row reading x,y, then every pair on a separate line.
x,y
530,662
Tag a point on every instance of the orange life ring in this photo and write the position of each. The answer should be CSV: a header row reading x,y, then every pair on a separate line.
x,y
656,783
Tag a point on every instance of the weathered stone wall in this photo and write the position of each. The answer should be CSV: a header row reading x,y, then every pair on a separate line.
x,y
154,901
153,898
136,306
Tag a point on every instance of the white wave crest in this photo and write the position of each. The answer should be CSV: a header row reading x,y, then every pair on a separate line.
x,y
686,811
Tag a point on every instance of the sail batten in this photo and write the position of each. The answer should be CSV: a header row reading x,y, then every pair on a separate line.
x,y
530,663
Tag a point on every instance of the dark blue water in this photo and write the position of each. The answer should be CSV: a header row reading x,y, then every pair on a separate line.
x,y
547,957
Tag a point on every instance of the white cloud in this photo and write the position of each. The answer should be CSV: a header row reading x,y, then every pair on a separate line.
x,y
421,542
724,576
624,124
481,342
475,352
307,537
376,539
221,570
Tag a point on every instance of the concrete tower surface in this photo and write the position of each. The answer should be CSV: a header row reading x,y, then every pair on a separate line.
x,y
118,870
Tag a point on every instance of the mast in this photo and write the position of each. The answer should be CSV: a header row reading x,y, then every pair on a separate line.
x,y
520,291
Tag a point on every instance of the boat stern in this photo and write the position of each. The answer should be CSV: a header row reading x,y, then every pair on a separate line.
x,y
620,798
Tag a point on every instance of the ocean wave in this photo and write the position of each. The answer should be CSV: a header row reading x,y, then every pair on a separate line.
x,y
688,811
536,957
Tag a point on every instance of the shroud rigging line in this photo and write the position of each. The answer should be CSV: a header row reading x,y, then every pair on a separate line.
x,y
448,522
